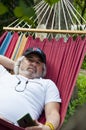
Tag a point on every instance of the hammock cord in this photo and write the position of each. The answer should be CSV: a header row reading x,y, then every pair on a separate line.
x,y
51,17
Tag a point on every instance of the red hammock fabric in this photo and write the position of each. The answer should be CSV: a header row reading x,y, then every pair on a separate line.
x,y
64,60
2,37
12,44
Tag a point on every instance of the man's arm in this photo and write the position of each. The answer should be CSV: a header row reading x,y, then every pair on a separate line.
x,y
6,62
52,114
52,117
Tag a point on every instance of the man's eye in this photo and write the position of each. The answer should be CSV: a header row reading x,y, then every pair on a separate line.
x,y
38,62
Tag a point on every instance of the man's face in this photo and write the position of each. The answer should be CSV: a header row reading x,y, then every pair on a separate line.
x,y
31,66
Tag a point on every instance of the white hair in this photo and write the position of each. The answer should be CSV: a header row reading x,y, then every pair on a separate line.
x,y
17,65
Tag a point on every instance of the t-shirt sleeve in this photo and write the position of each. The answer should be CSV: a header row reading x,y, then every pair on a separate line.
x,y
2,71
52,93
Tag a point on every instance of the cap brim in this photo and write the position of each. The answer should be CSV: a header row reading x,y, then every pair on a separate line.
x,y
37,53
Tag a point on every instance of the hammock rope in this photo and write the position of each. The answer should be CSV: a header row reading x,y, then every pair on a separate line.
x,y
64,6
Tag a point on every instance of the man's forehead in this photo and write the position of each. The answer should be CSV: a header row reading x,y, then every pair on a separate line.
x,y
34,56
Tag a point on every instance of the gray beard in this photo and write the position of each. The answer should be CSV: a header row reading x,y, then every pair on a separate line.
x,y
28,74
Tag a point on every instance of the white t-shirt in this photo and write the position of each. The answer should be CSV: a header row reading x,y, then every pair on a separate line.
x,y
19,95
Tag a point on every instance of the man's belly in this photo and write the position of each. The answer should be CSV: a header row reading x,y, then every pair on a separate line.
x,y
13,106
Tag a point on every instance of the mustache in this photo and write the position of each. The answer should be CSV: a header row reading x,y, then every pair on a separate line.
x,y
33,68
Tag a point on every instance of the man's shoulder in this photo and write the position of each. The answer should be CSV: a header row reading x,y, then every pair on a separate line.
x,y
45,80
42,80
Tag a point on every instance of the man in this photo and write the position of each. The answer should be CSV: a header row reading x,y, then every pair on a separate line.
x,y
27,91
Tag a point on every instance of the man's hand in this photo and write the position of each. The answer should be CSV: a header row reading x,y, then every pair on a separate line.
x,y
39,126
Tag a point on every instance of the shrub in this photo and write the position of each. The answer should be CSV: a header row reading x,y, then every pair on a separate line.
x,y
80,98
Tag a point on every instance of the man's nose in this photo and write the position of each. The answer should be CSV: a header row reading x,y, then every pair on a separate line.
x,y
34,63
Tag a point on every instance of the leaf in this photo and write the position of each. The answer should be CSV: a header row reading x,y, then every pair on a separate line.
x,y
27,10
3,9
24,11
51,2
18,11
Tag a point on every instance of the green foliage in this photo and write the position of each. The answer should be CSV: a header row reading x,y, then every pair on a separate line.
x,y
20,12
81,96
3,9
80,6
80,2
23,10
84,63
51,2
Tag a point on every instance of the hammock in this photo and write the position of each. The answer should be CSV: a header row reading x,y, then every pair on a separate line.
x,y
64,60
